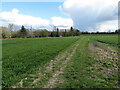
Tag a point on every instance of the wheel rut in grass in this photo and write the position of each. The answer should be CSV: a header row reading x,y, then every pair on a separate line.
x,y
55,76
106,64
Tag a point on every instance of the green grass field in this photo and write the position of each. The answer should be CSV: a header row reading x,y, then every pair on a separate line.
x,y
88,61
110,39
87,69
23,56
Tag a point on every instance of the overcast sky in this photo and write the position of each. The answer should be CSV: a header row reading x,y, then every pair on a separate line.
x,y
86,15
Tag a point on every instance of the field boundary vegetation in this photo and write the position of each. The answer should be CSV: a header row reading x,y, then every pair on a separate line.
x,y
11,32
8,32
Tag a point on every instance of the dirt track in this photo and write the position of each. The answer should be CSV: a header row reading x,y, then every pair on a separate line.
x,y
55,76
106,62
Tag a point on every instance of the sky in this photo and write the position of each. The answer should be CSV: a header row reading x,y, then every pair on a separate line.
x,y
85,15
44,10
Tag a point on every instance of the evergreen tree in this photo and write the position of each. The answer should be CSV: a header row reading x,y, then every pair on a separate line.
x,y
71,31
57,33
23,32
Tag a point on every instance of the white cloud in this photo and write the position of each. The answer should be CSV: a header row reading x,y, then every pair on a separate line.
x,y
14,10
36,22
61,22
87,15
20,19
109,25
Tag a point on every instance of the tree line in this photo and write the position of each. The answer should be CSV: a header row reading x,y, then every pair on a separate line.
x,y
109,32
31,33
8,32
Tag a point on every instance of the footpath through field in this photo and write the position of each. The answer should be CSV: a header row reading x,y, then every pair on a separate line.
x,y
94,65
85,64
48,75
